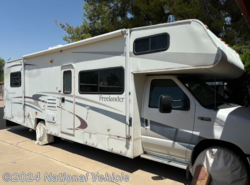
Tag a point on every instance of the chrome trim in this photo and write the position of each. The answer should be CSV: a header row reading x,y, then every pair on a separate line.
x,y
170,162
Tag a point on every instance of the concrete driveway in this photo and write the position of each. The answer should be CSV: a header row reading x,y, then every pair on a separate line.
x,y
19,154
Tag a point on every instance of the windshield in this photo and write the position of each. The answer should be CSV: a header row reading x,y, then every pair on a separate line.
x,y
202,92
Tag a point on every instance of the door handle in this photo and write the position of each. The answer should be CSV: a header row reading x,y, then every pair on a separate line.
x,y
62,99
146,123
204,118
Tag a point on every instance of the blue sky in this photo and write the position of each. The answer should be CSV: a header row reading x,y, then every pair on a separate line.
x,y
28,26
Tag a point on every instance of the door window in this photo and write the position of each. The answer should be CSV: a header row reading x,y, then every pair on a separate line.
x,y
168,87
67,76
15,79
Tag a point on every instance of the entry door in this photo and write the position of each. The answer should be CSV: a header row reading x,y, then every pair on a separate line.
x,y
67,99
167,134
14,95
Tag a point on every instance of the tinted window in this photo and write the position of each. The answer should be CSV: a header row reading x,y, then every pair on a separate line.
x,y
111,80
203,92
142,45
88,81
67,82
15,79
159,42
102,81
166,87
151,44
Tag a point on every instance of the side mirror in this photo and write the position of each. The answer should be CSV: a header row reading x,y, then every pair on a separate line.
x,y
165,104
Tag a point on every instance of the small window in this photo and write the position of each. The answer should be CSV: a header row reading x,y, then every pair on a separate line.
x,y
142,45
67,79
103,81
15,79
167,87
151,44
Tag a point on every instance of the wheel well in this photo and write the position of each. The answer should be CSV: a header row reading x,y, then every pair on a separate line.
x,y
204,144
37,121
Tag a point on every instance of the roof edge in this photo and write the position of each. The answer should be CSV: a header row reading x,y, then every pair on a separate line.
x,y
78,43
13,60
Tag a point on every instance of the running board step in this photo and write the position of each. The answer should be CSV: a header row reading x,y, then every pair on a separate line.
x,y
165,161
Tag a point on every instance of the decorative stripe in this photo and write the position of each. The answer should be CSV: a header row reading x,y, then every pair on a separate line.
x,y
81,98
83,123
28,97
14,65
179,136
118,117
112,53
20,65
27,105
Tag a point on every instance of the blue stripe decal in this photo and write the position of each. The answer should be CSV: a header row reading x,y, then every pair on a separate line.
x,y
32,107
27,106
118,117
179,136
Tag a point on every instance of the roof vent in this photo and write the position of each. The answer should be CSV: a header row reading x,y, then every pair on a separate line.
x,y
57,46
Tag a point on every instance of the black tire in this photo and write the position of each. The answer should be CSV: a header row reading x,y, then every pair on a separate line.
x,y
224,166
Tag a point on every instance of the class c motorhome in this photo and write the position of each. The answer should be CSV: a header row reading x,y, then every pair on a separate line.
x,y
134,92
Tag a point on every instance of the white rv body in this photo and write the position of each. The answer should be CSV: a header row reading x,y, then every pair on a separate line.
x,y
115,122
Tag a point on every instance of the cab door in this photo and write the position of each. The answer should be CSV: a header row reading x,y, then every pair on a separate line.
x,y
67,99
167,134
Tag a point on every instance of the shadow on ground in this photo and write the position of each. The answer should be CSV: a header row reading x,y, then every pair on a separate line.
x,y
161,171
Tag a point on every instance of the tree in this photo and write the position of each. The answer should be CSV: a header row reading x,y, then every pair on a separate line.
x,y
2,63
101,16
223,18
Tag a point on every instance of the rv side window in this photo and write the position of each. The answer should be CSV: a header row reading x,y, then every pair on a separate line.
x,y
15,79
88,82
151,44
103,81
160,87
111,80
67,82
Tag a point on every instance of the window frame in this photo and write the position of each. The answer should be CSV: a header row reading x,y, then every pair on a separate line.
x,y
67,92
20,79
98,70
151,51
178,109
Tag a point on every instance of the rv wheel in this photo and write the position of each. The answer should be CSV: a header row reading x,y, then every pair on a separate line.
x,y
224,166
42,137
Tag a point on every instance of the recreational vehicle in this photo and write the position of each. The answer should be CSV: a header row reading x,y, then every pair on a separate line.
x,y
137,92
